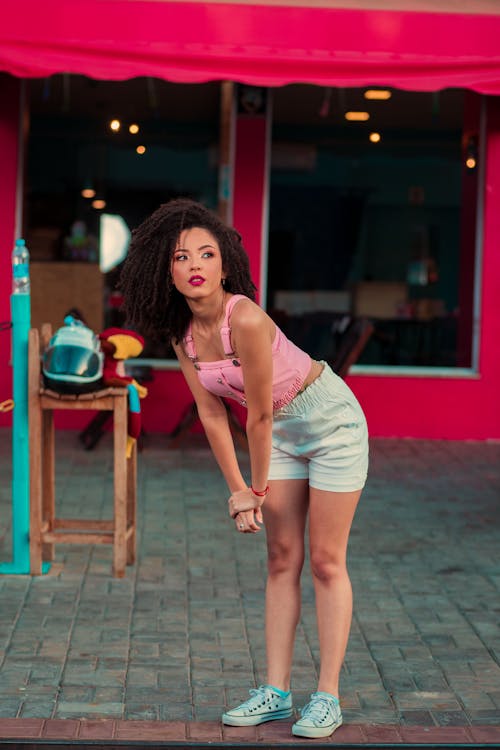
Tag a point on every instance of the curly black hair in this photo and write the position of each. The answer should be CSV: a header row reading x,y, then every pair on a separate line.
x,y
152,304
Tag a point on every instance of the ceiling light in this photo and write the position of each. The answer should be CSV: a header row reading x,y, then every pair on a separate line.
x,y
375,137
379,94
115,125
141,149
357,116
134,128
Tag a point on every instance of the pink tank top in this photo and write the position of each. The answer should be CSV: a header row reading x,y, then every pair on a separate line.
x,y
224,377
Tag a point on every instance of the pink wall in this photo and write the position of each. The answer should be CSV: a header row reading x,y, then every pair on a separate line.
x,y
250,176
9,138
452,408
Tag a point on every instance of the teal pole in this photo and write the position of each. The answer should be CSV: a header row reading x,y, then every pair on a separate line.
x,y
20,306
21,316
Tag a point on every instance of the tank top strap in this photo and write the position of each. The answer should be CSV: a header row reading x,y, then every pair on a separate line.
x,y
189,343
225,331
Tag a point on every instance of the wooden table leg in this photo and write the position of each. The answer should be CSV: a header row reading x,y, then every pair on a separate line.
x,y
132,505
48,479
120,486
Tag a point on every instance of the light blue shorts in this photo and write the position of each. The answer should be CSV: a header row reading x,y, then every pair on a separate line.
x,y
322,436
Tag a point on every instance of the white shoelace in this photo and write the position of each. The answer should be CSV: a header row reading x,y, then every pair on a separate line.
x,y
260,696
317,709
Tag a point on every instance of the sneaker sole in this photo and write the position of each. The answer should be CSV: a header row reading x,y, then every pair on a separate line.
x,y
251,721
314,732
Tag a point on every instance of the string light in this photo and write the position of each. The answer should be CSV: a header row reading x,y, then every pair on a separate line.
x,y
141,150
375,137
115,125
357,116
99,203
133,128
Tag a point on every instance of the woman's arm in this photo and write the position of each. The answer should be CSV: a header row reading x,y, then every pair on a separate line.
x,y
213,417
252,334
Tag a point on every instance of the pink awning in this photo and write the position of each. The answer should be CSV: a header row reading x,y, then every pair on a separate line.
x,y
261,45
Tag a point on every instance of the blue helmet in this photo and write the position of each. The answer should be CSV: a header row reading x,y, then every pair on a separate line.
x,y
73,360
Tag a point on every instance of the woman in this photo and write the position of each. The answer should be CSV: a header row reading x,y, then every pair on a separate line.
x,y
186,279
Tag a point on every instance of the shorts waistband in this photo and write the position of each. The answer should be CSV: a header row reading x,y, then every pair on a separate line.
x,y
315,394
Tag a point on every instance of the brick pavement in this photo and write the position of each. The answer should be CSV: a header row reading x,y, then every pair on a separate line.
x,y
164,650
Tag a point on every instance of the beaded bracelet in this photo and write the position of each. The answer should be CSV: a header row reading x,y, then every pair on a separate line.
x,y
260,494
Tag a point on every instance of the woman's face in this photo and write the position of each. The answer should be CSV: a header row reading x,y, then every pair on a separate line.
x,y
197,264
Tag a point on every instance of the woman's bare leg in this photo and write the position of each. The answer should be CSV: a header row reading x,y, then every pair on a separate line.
x,y
330,519
285,511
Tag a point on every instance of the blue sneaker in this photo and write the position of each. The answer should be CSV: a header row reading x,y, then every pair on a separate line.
x,y
320,718
264,704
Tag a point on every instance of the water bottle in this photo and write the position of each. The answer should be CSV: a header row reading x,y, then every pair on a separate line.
x,y
20,268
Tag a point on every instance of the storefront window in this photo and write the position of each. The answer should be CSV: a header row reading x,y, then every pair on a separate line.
x,y
366,219
114,148
372,207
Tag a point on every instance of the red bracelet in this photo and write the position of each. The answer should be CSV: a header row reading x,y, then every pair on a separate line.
x,y
260,494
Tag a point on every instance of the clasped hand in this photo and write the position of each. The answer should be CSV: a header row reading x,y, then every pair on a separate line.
x,y
244,508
